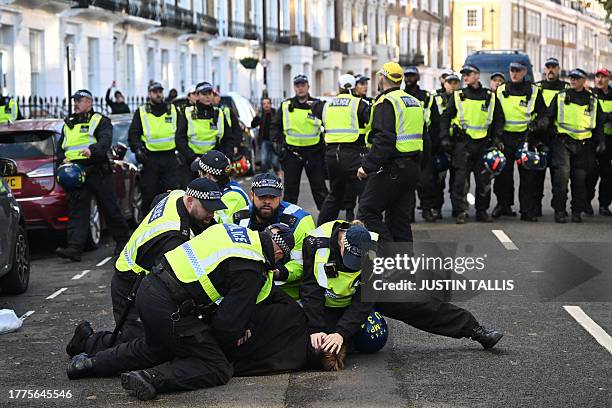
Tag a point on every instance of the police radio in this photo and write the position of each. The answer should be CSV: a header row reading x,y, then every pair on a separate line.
x,y
330,269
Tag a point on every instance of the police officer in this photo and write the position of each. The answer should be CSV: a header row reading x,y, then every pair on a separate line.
x,y
361,87
603,91
579,127
550,86
496,79
197,302
86,139
214,166
392,166
442,97
204,127
426,184
152,139
296,134
521,103
267,209
344,118
467,131
9,110
177,217
333,303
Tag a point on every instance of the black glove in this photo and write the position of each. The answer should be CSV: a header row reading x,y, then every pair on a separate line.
x,y
532,127
141,156
601,147
498,144
447,144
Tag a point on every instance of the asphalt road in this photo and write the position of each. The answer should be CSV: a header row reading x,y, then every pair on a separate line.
x,y
546,358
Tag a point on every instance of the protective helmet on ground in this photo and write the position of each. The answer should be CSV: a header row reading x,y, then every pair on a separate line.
x,y
70,176
373,334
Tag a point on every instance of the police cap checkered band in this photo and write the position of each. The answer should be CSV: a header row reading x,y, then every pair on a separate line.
x,y
355,250
204,195
211,170
267,182
280,242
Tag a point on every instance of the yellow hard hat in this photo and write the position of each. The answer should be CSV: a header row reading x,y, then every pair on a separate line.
x,y
392,71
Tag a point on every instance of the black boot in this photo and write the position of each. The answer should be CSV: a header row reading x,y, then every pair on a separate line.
x,y
560,217
461,218
487,337
428,216
501,209
69,253
576,217
140,384
589,210
529,218
483,216
437,212
81,366
77,344
605,211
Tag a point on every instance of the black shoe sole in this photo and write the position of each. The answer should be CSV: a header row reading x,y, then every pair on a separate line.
x,y
137,386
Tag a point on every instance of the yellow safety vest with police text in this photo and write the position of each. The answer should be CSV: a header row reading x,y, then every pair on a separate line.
x,y
576,121
203,134
158,131
80,137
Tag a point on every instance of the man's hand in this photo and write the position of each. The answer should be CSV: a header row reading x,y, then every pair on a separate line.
x,y
361,174
601,147
316,340
243,339
446,144
86,152
114,84
66,160
333,343
141,156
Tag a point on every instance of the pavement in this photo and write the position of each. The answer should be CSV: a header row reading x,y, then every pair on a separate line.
x,y
556,350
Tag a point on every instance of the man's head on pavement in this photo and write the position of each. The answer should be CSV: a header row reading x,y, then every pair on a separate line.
x,y
602,78
214,166
518,70
301,86
352,242
202,198
83,101
266,192
552,69
282,241
205,93
156,92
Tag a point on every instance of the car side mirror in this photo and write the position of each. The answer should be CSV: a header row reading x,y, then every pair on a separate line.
x,y
8,167
118,151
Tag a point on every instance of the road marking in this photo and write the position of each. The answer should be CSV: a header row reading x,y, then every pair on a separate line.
x,y
537,271
26,315
105,260
56,293
589,325
471,199
505,240
80,275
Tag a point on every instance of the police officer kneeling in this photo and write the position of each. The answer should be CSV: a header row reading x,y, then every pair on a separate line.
x,y
177,217
86,139
198,300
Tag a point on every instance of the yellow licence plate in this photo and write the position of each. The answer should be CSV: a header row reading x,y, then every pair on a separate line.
x,y
14,182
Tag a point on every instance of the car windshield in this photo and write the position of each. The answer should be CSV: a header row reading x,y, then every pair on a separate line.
x,y
26,145
245,110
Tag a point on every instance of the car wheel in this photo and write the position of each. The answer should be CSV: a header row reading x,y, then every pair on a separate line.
x,y
136,205
95,226
18,278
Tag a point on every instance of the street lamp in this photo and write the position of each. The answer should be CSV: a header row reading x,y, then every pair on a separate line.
x,y
264,61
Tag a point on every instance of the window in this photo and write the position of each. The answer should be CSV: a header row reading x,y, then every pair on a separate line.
x,y
473,18
93,64
129,62
182,69
194,69
151,63
165,68
36,62
470,46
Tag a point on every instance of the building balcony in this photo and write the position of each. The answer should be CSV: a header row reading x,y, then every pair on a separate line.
x,y
320,44
149,10
177,17
339,46
207,24
245,31
301,38
120,6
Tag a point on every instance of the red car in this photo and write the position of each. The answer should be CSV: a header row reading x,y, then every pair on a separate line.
x,y
33,145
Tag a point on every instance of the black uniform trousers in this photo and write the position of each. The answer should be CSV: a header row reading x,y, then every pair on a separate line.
x,y
180,352
427,184
121,286
438,189
160,173
603,172
571,160
389,191
467,159
503,186
98,184
342,160
311,159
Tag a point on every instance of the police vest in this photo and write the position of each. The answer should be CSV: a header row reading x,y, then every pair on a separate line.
x,y
163,218
518,111
196,259
204,134
441,102
228,116
340,119
427,105
158,131
80,137
606,107
409,120
301,223
576,121
473,116
9,111
300,127
339,290
549,94
235,199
